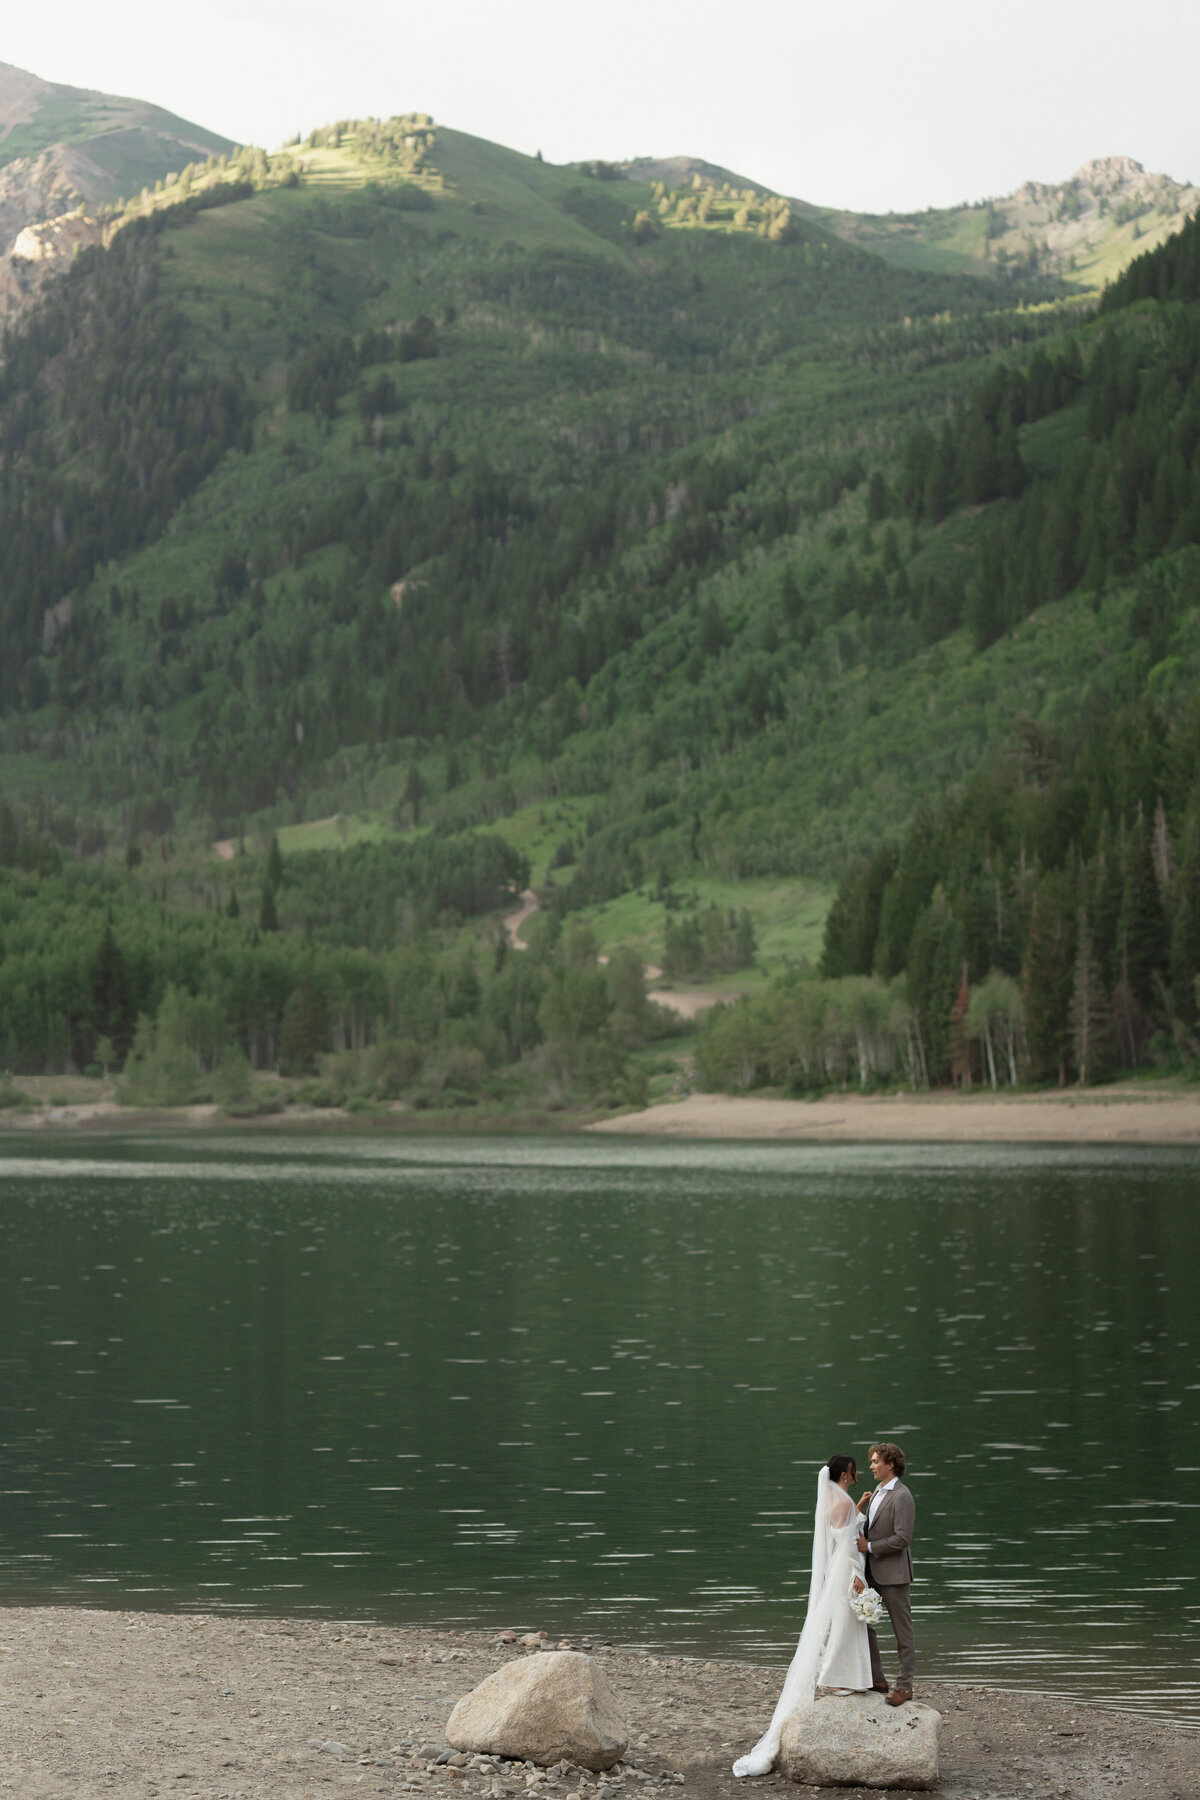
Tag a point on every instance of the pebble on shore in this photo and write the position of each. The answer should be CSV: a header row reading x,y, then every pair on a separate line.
x,y
128,1704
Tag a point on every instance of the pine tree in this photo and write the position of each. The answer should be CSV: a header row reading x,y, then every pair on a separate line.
x,y
1128,1018
934,971
1185,943
114,1015
1047,978
414,792
304,1031
791,597
274,864
1163,852
1090,1021
907,891
1010,470
852,924
268,918
877,499
985,595
1143,929
10,836
1104,909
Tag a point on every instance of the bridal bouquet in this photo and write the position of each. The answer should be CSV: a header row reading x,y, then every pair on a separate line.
x,y
867,1606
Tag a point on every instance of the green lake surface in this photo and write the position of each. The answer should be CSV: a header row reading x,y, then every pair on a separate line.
x,y
586,1384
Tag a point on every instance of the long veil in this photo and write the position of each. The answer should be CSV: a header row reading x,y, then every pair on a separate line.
x,y
801,1680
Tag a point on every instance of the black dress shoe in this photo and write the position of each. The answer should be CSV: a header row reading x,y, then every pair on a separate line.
x,y
898,1696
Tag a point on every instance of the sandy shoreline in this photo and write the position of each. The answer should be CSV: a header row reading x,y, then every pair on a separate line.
x,y
139,1704
1124,1113
1083,1116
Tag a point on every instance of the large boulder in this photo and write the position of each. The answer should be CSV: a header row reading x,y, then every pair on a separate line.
x,y
549,1708
856,1740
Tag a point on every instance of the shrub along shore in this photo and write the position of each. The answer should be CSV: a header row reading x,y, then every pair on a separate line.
x,y
1125,1113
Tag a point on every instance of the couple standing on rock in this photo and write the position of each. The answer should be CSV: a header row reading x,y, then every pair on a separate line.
x,y
852,1554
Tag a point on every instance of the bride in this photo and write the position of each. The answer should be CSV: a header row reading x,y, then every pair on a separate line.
x,y
833,1651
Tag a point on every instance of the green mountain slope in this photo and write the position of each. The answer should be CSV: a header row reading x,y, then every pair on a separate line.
x,y
1042,921
386,442
498,504
402,450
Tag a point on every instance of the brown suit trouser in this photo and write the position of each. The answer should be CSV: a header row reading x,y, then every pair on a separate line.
x,y
899,1611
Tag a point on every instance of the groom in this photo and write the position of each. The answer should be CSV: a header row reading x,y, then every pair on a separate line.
x,y
886,1545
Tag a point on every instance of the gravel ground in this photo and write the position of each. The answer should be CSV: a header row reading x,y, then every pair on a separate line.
x,y
143,1704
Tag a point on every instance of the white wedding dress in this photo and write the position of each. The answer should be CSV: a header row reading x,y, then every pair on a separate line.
x,y
833,1649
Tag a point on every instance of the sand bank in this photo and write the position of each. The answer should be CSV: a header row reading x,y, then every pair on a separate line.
x,y
142,1704
1089,1116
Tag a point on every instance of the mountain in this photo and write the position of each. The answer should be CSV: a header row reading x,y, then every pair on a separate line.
x,y
485,425
1082,232
61,147
517,521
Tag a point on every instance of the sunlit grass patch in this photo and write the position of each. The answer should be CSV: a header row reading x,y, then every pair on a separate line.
x,y
539,830
789,921
331,834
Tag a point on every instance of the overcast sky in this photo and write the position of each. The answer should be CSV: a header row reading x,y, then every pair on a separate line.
x,y
863,105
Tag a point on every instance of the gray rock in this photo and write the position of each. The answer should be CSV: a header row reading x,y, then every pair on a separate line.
x,y
856,1740
556,1707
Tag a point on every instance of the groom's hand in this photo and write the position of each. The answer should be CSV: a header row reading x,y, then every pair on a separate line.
x,y
862,1543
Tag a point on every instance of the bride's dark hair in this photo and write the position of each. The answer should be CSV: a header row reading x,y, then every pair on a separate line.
x,y
837,1466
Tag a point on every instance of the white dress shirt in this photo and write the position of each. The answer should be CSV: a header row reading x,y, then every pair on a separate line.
x,y
876,1497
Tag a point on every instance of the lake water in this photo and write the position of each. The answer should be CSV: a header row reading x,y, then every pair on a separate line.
x,y
586,1384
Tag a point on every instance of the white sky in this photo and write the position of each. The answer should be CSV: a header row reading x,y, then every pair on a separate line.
x,y
843,102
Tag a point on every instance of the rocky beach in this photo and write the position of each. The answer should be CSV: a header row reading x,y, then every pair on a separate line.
x,y
135,1705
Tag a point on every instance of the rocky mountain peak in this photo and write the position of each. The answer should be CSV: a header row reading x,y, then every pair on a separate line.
x,y
1110,171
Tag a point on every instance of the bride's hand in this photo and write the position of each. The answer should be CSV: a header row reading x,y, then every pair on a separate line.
x,y
859,1586
864,1500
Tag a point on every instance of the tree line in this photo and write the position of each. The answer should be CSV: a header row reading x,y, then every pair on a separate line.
x,y
350,972
1063,887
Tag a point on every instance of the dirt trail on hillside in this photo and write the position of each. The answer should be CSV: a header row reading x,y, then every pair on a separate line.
x,y
513,921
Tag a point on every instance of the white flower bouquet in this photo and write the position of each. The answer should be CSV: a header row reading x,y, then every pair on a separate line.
x,y
867,1606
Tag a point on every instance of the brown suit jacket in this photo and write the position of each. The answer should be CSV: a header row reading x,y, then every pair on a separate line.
x,y
889,1559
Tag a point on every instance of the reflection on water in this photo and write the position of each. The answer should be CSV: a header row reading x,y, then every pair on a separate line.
x,y
587,1385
